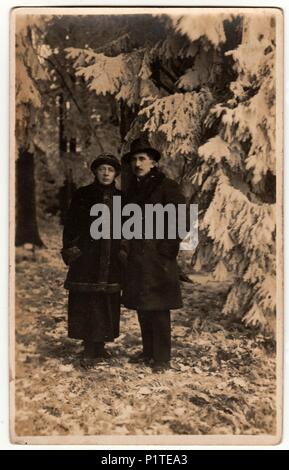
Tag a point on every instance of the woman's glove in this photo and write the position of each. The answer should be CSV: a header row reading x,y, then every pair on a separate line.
x,y
69,255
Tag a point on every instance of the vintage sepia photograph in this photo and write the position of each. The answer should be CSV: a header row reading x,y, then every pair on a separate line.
x,y
146,244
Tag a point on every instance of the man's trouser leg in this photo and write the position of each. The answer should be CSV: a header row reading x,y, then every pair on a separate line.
x,y
144,318
161,326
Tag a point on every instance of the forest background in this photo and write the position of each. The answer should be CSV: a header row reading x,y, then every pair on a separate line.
x,y
87,84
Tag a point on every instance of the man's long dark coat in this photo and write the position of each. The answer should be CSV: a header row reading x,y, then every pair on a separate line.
x,y
151,275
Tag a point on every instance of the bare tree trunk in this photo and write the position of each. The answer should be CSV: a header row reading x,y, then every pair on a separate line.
x,y
127,116
26,218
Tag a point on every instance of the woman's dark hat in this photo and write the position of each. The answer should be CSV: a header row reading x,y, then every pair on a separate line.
x,y
141,145
107,159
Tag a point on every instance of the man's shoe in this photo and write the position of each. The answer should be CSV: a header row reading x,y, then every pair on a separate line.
x,y
102,354
140,358
159,367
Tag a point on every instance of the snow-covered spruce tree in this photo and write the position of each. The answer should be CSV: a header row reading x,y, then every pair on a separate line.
x,y
168,83
238,166
207,103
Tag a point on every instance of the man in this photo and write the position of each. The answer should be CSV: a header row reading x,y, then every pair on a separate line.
x,y
151,284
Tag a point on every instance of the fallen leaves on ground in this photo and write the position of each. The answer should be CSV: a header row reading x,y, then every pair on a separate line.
x,y
222,379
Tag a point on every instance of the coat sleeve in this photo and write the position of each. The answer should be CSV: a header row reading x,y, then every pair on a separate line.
x,y
124,244
172,195
71,231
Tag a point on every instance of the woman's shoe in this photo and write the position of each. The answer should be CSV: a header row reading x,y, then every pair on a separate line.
x,y
87,363
89,350
95,350
102,354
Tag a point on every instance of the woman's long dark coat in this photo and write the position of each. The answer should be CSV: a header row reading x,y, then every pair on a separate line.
x,y
151,272
93,278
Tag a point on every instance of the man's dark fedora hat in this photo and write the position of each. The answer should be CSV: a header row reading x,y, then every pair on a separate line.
x,y
107,159
141,144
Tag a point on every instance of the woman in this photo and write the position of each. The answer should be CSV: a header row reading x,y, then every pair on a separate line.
x,y
94,272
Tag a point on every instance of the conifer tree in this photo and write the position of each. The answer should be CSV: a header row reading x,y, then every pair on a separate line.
x,y
208,104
